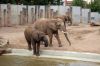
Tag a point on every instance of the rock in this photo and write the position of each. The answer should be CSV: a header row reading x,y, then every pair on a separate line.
x,y
4,43
94,24
8,50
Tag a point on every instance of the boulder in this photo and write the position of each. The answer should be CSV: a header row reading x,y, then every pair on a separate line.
x,y
94,24
4,44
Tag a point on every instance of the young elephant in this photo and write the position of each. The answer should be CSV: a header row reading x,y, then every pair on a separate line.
x,y
34,37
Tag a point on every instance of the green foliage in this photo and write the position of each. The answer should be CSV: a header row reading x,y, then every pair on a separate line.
x,y
80,3
32,2
95,6
4,1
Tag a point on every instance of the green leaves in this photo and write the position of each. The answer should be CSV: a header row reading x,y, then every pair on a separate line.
x,y
80,3
95,6
32,2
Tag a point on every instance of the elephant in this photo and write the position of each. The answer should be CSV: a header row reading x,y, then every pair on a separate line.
x,y
66,19
34,38
50,27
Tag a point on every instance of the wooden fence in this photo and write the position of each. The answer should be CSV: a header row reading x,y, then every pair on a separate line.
x,y
22,14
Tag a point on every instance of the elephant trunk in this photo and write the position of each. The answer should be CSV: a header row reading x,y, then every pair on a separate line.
x,y
63,29
65,33
45,41
67,38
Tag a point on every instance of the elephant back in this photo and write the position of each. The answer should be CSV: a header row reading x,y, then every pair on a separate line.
x,y
41,25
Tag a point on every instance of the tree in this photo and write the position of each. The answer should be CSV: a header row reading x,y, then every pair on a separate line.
x,y
95,6
32,2
79,3
4,1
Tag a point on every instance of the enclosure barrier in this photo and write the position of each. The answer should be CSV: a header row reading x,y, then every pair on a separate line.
x,y
22,14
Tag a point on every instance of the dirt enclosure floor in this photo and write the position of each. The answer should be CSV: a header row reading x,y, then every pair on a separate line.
x,y
83,38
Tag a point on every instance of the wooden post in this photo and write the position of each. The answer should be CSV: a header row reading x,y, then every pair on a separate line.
x,y
0,16
24,16
32,15
48,11
71,14
35,12
4,14
20,18
80,15
8,15
38,11
51,13
89,17
41,13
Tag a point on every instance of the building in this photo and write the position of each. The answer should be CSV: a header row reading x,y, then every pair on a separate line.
x,y
67,3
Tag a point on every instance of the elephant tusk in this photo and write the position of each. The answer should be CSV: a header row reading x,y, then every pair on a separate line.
x,y
64,32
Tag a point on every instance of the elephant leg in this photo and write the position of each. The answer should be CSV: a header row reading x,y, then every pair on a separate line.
x,y
38,49
28,41
58,39
29,45
34,47
70,22
67,38
65,24
50,39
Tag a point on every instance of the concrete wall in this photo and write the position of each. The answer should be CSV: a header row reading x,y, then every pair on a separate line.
x,y
85,15
15,12
78,14
95,17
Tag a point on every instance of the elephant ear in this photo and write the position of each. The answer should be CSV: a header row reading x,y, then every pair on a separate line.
x,y
59,22
65,18
52,24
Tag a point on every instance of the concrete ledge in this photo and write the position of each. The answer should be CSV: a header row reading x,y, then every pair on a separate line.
x,y
59,55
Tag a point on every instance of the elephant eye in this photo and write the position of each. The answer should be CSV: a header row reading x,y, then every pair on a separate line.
x,y
59,25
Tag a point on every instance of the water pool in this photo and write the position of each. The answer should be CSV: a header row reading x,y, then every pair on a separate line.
x,y
38,61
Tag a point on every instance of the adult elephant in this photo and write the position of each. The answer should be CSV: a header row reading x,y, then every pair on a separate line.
x,y
50,27
66,19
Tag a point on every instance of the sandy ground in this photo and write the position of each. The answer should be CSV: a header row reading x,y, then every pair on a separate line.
x,y
83,38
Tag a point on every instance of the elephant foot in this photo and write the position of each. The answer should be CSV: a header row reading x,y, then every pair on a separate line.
x,y
37,54
34,53
60,45
50,45
30,49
